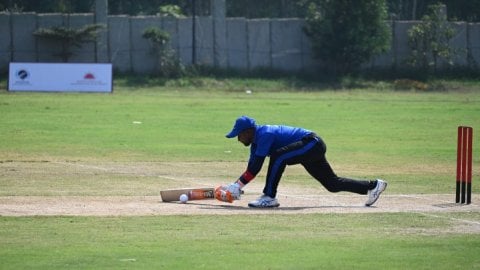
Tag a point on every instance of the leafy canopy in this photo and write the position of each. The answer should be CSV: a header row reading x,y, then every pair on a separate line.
x,y
347,33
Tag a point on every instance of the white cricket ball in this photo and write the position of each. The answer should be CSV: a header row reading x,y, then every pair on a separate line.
x,y
184,198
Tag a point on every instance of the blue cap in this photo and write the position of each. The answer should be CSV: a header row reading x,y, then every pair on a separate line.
x,y
242,123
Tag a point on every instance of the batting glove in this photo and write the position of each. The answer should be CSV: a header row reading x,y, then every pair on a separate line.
x,y
235,190
228,193
223,195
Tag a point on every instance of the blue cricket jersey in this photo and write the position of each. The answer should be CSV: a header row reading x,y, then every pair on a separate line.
x,y
269,138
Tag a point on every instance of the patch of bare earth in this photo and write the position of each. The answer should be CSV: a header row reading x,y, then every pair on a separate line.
x,y
290,204
294,199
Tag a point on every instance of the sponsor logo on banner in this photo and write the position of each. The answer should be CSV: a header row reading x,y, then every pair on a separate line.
x,y
22,77
22,74
89,79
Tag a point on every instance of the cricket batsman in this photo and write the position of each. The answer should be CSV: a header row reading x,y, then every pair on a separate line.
x,y
287,145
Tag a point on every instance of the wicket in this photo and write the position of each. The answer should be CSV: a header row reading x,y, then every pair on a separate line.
x,y
464,165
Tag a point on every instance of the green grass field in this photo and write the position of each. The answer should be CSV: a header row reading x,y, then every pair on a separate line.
x,y
406,137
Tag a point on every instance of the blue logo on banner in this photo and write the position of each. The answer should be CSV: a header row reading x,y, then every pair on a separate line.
x,y
22,74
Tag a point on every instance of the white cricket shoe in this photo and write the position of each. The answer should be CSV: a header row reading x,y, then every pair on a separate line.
x,y
373,194
264,202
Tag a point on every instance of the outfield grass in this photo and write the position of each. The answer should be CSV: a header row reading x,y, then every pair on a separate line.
x,y
407,137
188,125
328,241
404,136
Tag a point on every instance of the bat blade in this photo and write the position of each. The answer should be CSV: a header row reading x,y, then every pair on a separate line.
x,y
171,195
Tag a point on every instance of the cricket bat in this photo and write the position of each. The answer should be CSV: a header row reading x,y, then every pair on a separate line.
x,y
171,195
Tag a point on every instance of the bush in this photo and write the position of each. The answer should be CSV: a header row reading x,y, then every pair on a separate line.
x,y
347,33
429,41
168,64
69,37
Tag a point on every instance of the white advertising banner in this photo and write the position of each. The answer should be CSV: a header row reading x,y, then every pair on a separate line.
x,y
56,77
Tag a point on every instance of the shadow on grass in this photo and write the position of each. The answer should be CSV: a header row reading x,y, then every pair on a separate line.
x,y
228,207
232,80
242,81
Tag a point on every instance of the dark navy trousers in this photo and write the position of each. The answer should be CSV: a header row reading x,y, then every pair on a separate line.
x,y
310,153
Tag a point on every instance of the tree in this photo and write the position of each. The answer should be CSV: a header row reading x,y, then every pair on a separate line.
x,y
170,11
461,10
347,33
69,37
167,63
429,40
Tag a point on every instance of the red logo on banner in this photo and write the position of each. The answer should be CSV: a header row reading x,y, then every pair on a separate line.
x,y
89,76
